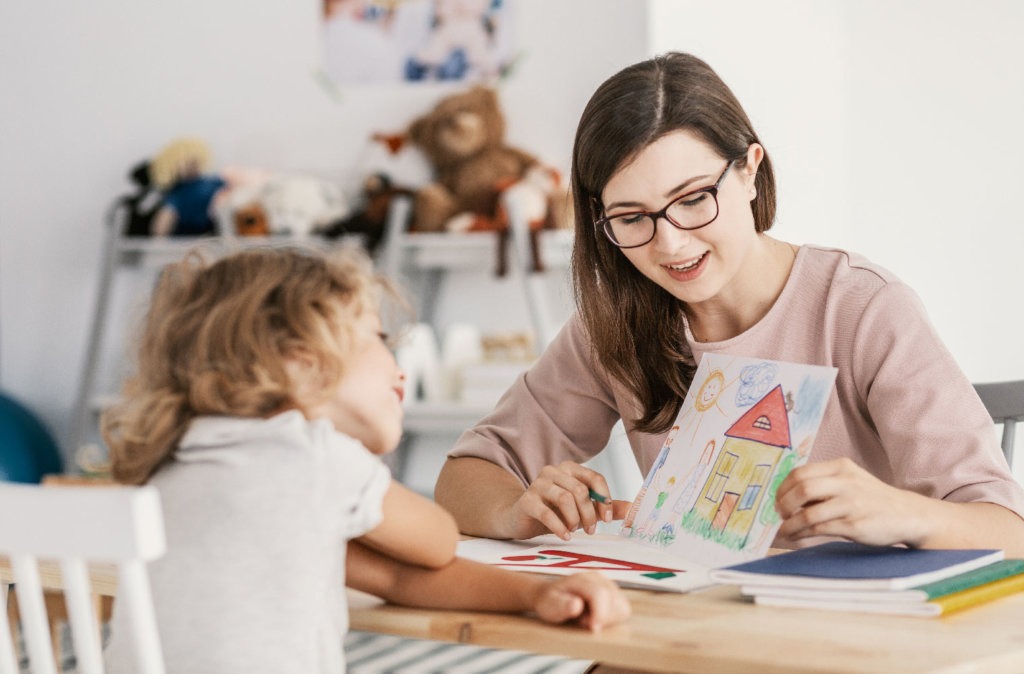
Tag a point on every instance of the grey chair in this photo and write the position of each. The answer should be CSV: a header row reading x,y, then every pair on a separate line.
x,y
1005,403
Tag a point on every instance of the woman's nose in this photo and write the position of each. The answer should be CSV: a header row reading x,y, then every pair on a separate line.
x,y
668,237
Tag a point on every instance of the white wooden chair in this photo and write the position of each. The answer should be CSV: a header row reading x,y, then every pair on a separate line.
x,y
1004,401
75,526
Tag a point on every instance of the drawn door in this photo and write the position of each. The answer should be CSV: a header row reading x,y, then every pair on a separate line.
x,y
725,509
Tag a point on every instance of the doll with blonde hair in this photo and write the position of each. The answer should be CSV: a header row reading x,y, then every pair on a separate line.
x,y
181,170
263,397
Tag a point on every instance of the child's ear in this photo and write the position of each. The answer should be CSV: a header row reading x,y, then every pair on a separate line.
x,y
304,378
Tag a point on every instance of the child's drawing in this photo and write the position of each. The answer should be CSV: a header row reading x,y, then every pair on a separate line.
x,y
744,425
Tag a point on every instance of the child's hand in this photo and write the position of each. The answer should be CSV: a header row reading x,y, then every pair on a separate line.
x,y
588,598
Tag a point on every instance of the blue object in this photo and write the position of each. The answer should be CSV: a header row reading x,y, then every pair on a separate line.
x,y
191,199
27,450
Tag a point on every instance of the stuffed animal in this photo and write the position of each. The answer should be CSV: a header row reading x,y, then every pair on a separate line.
x,y
251,220
181,169
141,206
370,220
298,204
463,138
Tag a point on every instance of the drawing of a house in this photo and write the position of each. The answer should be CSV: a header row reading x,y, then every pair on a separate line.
x,y
732,495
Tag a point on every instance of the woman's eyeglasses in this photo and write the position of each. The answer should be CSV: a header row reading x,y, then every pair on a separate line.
x,y
690,211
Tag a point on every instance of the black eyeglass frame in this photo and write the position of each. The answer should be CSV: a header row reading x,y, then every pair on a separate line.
x,y
604,222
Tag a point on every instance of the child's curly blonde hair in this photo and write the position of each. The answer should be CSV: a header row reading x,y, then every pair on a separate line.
x,y
216,338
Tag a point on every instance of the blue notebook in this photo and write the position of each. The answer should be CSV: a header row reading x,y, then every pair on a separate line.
x,y
853,566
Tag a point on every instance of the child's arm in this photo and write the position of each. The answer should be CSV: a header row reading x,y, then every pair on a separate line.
x,y
413,529
588,598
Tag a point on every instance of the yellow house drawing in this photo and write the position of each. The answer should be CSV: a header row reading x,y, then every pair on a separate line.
x,y
732,495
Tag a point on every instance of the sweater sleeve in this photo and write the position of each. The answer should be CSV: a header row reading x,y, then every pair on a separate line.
x,y
561,409
937,436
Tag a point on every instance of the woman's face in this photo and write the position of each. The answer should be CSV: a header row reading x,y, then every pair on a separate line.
x,y
700,265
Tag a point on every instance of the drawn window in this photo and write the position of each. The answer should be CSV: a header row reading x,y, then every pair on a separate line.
x,y
722,472
757,481
763,422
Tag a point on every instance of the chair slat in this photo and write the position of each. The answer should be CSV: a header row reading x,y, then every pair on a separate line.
x,y
34,625
133,589
8,664
85,631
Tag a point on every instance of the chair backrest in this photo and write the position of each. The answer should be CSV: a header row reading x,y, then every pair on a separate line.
x,y
1005,403
75,526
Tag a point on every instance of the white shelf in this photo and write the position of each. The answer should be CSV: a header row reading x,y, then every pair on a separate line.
x,y
470,250
423,417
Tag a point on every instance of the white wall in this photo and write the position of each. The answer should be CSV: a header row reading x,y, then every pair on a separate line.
x,y
894,128
91,88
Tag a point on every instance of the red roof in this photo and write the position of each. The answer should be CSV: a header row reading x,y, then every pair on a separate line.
x,y
766,422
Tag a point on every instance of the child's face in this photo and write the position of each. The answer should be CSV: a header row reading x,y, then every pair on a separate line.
x,y
367,404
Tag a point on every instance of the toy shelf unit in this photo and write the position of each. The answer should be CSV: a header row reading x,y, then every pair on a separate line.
x,y
424,260
434,266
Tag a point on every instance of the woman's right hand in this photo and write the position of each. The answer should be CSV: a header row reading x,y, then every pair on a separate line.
x,y
559,501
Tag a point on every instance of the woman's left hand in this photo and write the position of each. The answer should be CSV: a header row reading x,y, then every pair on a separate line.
x,y
839,498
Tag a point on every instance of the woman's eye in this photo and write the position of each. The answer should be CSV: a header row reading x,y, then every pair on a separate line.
x,y
627,220
691,200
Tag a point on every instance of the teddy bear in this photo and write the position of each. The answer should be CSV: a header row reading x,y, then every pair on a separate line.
x,y
463,138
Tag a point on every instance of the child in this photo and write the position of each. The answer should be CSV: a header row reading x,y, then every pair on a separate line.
x,y
263,396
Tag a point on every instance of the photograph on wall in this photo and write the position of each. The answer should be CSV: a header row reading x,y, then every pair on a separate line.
x,y
408,41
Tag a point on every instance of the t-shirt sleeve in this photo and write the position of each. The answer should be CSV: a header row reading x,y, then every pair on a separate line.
x,y
561,409
362,482
938,438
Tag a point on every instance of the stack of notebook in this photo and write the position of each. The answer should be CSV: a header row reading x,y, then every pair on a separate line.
x,y
844,576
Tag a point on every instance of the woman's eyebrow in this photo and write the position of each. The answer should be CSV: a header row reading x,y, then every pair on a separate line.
x,y
671,193
686,183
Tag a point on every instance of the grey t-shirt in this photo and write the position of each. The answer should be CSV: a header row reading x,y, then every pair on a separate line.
x,y
258,513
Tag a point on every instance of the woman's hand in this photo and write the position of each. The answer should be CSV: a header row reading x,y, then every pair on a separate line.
x,y
559,501
589,599
839,498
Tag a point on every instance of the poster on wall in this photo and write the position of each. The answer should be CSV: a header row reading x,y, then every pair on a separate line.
x,y
408,41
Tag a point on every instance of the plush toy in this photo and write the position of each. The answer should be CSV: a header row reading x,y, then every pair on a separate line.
x,y
140,207
181,170
463,138
299,204
371,219
251,220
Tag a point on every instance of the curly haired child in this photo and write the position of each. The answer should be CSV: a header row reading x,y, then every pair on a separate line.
x,y
263,396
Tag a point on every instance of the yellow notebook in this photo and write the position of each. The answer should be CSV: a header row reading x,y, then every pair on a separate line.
x,y
979,595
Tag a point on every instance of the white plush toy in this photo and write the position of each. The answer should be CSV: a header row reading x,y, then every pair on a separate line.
x,y
298,204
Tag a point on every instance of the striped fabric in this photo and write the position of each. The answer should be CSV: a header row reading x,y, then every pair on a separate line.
x,y
370,653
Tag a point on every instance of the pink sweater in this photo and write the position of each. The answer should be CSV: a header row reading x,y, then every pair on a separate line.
x,y
901,407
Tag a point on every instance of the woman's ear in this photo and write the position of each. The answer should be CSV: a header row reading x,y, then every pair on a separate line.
x,y
755,153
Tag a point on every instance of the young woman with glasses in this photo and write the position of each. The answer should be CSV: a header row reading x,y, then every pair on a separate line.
x,y
674,196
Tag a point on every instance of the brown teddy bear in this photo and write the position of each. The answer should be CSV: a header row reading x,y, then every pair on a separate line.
x,y
463,139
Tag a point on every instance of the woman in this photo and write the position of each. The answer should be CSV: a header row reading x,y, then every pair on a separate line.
x,y
674,194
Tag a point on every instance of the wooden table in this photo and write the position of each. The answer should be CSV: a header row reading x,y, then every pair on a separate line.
x,y
717,631
713,631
